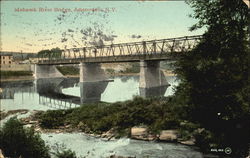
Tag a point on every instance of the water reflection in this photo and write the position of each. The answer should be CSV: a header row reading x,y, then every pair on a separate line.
x,y
8,89
62,93
154,91
52,89
92,91
50,92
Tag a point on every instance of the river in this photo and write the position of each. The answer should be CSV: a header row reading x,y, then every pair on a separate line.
x,y
68,93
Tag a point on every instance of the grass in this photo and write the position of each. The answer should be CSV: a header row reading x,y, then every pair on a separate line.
x,y
134,68
9,74
68,70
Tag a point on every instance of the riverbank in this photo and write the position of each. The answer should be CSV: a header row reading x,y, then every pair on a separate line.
x,y
17,78
136,132
85,145
15,75
136,119
24,78
111,70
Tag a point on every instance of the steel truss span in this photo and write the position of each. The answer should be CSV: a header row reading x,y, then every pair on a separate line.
x,y
162,49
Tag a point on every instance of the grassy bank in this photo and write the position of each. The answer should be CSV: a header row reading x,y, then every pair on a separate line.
x,y
156,113
11,74
68,70
134,68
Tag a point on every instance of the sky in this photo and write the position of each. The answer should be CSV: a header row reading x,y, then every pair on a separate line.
x,y
76,24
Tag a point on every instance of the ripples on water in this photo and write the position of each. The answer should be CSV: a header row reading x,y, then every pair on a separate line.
x,y
96,148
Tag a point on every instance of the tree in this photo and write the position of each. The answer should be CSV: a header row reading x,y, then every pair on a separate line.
x,y
16,141
44,53
53,53
57,52
214,75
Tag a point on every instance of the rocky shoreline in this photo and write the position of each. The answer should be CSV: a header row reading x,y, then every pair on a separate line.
x,y
4,114
138,133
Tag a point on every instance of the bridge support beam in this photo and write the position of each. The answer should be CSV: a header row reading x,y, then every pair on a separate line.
x,y
46,71
152,80
91,72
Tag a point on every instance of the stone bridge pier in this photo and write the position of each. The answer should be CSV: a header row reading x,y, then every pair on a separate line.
x,y
46,71
93,82
152,80
91,72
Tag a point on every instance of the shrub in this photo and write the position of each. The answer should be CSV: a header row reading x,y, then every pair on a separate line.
x,y
65,154
156,113
16,141
110,71
53,118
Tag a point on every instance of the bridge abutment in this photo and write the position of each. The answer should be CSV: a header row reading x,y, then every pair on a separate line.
x,y
46,71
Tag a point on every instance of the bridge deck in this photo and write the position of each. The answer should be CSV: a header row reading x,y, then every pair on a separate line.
x,y
109,59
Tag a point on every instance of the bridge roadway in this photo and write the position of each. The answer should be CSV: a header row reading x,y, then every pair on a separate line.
x,y
164,49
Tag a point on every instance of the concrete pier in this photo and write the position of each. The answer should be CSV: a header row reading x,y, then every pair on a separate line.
x,y
152,80
46,71
92,82
151,75
91,72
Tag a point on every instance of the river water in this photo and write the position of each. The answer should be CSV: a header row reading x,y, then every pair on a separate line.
x,y
68,93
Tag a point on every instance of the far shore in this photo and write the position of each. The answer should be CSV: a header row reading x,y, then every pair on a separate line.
x,y
19,78
24,78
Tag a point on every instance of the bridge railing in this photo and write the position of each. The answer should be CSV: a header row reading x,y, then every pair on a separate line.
x,y
153,47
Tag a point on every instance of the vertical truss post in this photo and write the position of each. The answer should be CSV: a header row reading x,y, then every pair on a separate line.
x,y
84,52
95,51
144,47
172,49
154,47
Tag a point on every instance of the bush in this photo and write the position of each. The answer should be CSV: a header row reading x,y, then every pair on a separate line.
x,y
53,118
203,138
16,141
156,113
110,71
65,154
